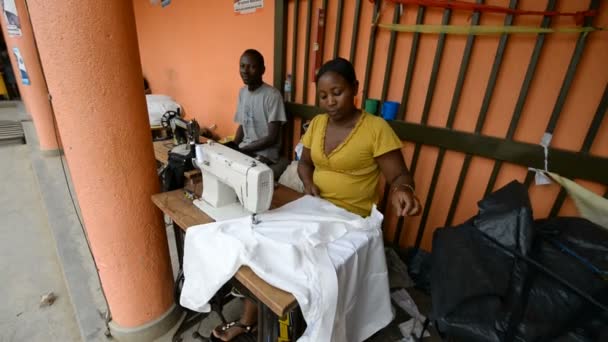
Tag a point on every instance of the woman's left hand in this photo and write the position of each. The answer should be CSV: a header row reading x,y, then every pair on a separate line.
x,y
405,202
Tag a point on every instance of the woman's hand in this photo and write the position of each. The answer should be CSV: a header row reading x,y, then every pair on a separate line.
x,y
312,189
306,169
405,201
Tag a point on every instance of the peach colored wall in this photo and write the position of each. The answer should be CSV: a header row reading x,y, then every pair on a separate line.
x,y
35,95
581,102
190,50
90,57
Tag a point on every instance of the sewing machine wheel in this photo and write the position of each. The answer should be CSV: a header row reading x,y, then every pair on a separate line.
x,y
165,120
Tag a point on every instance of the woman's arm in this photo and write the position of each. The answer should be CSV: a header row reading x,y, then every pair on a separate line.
x,y
401,183
306,168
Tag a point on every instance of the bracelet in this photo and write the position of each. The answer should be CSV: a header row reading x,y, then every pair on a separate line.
x,y
407,186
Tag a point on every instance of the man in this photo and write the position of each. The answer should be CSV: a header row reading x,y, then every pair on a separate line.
x,y
260,114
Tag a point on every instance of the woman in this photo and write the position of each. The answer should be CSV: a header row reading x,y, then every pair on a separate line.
x,y
344,152
346,149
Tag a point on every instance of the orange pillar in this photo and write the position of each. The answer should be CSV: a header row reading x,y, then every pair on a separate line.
x,y
35,95
90,56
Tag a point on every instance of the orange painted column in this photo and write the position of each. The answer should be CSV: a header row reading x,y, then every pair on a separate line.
x,y
35,95
90,56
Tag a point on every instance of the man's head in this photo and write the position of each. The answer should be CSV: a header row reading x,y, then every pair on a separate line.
x,y
252,68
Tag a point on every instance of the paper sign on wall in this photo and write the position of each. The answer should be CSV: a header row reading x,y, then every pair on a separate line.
x,y
25,79
12,18
247,6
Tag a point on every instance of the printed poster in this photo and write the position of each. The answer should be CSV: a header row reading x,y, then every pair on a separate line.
x,y
25,79
13,24
247,6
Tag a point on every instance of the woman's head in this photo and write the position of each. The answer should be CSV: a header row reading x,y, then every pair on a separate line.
x,y
337,86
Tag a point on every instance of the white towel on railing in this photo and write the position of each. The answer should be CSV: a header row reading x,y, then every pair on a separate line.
x,y
331,260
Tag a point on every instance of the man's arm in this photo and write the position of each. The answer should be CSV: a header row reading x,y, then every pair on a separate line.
x,y
271,139
238,137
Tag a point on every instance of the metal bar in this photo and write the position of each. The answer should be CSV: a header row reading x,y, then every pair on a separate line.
x,y
457,191
431,89
529,179
523,93
398,230
280,42
391,53
370,52
410,66
353,42
294,55
464,65
570,73
482,114
559,202
567,163
589,138
306,52
596,123
435,69
338,28
494,73
322,41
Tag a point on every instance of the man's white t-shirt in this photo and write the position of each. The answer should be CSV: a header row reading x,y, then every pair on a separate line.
x,y
255,109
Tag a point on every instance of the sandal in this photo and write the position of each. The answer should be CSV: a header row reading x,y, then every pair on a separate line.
x,y
222,329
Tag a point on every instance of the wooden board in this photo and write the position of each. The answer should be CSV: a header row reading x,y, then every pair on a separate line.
x,y
185,214
161,150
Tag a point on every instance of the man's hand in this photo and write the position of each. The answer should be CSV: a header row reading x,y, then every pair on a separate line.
x,y
270,140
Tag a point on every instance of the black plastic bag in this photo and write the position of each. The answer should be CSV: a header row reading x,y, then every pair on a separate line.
x,y
503,277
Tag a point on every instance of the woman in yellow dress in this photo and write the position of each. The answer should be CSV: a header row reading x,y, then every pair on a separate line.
x,y
346,149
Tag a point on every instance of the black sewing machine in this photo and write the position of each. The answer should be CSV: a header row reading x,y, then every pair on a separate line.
x,y
185,137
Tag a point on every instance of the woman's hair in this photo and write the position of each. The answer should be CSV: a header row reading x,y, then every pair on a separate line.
x,y
341,67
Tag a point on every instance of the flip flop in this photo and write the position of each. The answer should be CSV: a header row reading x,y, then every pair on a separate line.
x,y
234,324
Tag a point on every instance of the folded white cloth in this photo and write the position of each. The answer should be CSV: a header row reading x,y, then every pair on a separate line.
x,y
590,205
331,260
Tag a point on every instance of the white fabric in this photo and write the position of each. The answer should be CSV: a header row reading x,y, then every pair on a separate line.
x,y
290,178
590,205
158,105
331,260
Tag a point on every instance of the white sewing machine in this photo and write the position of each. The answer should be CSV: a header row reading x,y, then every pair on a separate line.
x,y
234,184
